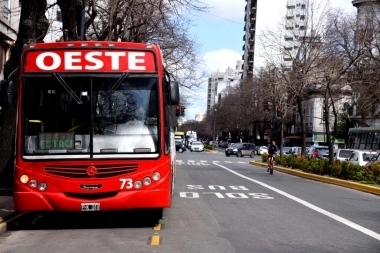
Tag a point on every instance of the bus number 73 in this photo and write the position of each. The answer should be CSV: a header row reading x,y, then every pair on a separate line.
x,y
126,182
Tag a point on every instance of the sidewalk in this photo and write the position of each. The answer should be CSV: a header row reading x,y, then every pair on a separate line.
x,y
6,208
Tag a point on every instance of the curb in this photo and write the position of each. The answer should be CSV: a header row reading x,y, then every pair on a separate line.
x,y
10,217
324,179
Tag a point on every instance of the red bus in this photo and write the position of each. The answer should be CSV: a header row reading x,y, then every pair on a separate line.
x,y
94,128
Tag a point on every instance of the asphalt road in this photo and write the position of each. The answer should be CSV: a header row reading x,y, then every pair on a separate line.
x,y
220,204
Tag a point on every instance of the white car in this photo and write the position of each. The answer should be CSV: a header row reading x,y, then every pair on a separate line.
x,y
361,157
342,154
196,146
262,150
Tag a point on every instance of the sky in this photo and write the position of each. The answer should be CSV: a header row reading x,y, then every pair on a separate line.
x,y
220,33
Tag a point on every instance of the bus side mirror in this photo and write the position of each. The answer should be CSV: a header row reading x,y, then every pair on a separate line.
x,y
174,93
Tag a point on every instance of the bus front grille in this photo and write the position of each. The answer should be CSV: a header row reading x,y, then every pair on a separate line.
x,y
98,171
90,196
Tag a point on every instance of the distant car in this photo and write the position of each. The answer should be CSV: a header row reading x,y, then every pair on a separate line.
x,y
196,146
296,151
245,149
262,150
285,150
240,149
223,144
342,154
361,157
318,152
179,146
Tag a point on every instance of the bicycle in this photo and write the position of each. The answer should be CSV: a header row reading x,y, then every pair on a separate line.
x,y
271,163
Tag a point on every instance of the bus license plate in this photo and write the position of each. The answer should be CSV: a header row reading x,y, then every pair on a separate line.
x,y
90,206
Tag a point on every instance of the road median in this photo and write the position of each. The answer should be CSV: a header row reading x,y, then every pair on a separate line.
x,y
324,179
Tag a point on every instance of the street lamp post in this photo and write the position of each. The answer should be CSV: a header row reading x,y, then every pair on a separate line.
x,y
214,135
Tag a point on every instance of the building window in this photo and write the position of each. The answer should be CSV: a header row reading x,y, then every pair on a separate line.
x,y
6,9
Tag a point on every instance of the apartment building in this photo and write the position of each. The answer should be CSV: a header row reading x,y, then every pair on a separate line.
x,y
295,29
249,37
9,22
220,81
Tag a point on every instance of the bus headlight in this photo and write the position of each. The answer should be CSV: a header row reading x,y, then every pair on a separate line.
x,y
138,184
147,181
43,186
156,176
24,179
33,183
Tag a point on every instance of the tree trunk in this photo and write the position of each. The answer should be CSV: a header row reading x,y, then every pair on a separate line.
x,y
70,10
32,28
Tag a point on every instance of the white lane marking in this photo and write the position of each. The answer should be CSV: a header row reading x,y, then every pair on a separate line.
x,y
227,161
311,206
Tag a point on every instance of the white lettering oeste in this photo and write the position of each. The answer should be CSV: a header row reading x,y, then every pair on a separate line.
x,y
115,59
90,57
133,61
41,58
69,60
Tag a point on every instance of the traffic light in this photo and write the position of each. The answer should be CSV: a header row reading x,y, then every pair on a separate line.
x,y
183,111
278,111
324,114
177,110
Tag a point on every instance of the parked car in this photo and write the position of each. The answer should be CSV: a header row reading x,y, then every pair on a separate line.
x,y
296,151
286,150
374,159
196,146
342,154
318,152
262,150
223,144
180,146
240,149
361,157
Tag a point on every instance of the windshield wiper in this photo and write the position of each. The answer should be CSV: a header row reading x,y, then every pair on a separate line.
x,y
115,86
67,88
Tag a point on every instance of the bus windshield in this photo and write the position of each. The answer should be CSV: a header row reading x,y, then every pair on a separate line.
x,y
92,114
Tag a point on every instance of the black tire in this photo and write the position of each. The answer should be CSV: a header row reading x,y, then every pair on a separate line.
x,y
180,150
252,154
271,171
227,155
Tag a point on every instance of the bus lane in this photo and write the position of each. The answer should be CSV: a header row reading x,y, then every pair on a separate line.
x,y
251,211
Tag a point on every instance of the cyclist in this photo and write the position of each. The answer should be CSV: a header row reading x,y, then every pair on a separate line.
x,y
269,143
272,151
